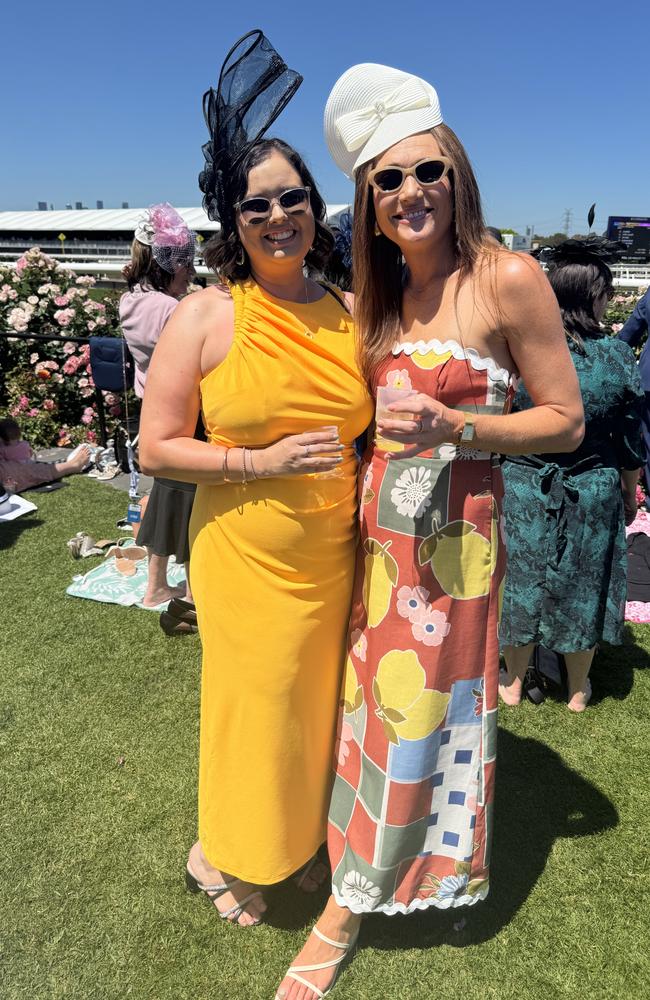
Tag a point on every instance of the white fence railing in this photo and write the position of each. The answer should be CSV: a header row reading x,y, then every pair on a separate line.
x,y
625,275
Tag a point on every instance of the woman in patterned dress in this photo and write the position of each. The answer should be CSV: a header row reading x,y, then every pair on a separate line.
x,y
411,810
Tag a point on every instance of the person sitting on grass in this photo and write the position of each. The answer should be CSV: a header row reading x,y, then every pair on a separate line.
x,y
20,471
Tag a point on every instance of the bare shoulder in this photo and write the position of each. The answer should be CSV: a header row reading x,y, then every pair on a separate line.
x,y
349,300
519,274
207,303
513,282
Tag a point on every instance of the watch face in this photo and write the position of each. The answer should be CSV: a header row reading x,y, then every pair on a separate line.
x,y
468,433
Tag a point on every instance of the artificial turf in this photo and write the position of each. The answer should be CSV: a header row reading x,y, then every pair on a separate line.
x,y
98,769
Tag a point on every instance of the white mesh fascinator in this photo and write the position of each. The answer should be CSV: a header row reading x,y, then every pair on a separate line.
x,y
173,244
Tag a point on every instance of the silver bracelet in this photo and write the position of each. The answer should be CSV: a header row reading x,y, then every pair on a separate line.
x,y
254,474
226,472
243,465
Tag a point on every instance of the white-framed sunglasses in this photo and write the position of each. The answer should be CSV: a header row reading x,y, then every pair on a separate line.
x,y
389,180
254,211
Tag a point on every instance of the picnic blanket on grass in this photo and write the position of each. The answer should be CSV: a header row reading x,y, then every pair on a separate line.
x,y
106,584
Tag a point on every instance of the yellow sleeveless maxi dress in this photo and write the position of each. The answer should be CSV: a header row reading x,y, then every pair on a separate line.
x,y
272,568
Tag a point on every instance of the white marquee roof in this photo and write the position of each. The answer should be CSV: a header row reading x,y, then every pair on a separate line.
x,y
106,219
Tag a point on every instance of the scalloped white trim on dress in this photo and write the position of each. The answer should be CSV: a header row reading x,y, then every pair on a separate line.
x,y
460,353
417,904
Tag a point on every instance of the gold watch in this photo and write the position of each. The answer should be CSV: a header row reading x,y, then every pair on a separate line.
x,y
469,430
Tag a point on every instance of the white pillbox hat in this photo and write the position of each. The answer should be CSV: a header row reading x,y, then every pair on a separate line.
x,y
372,107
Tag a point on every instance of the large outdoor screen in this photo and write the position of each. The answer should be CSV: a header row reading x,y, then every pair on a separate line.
x,y
633,231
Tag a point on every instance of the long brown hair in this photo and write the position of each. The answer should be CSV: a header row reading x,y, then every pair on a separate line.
x,y
143,270
378,275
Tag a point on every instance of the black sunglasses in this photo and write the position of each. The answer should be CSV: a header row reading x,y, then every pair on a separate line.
x,y
426,172
254,211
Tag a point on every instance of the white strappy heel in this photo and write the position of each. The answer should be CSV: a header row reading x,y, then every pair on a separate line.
x,y
338,963
214,891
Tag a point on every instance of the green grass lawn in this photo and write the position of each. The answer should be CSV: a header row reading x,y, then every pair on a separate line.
x,y
98,768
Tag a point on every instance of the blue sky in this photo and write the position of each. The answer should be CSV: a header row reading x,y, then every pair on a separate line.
x,y
103,99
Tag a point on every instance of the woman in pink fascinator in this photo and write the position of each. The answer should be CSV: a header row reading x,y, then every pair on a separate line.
x,y
161,266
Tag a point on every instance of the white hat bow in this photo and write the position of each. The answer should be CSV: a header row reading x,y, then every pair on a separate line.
x,y
356,127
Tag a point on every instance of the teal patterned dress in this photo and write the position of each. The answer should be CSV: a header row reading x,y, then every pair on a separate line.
x,y
566,574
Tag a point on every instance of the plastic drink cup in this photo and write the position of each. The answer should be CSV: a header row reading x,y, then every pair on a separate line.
x,y
387,395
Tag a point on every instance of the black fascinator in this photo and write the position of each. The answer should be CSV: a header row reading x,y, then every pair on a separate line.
x,y
338,268
588,250
255,84
343,240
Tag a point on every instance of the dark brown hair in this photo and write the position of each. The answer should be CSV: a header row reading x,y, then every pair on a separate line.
x,y
9,430
578,286
378,270
224,251
143,270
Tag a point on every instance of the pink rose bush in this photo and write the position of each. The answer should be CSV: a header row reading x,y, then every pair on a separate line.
x,y
48,386
619,309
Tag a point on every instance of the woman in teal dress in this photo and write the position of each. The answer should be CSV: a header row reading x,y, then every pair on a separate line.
x,y
564,514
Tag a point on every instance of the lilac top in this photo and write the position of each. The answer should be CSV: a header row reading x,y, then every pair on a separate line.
x,y
143,314
17,451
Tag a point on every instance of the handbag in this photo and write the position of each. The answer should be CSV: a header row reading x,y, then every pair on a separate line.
x,y
546,675
111,364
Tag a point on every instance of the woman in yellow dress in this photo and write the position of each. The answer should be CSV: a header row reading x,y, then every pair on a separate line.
x,y
270,358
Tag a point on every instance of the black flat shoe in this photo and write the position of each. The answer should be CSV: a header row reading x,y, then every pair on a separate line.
x,y
177,626
184,611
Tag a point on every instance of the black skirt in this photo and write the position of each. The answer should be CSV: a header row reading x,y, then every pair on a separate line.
x,y
166,520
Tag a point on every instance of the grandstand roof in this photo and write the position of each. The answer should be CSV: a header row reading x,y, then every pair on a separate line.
x,y
103,219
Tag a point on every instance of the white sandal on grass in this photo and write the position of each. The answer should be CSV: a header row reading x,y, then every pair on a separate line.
x,y
213,892
334,963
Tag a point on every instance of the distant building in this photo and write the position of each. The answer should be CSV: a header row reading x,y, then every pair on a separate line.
x,y
93,234
522,244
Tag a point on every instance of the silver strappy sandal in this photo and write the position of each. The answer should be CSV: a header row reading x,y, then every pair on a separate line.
x,y
213,892
337,963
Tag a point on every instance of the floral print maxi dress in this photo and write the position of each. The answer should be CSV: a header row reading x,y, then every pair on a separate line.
x,y
411,812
